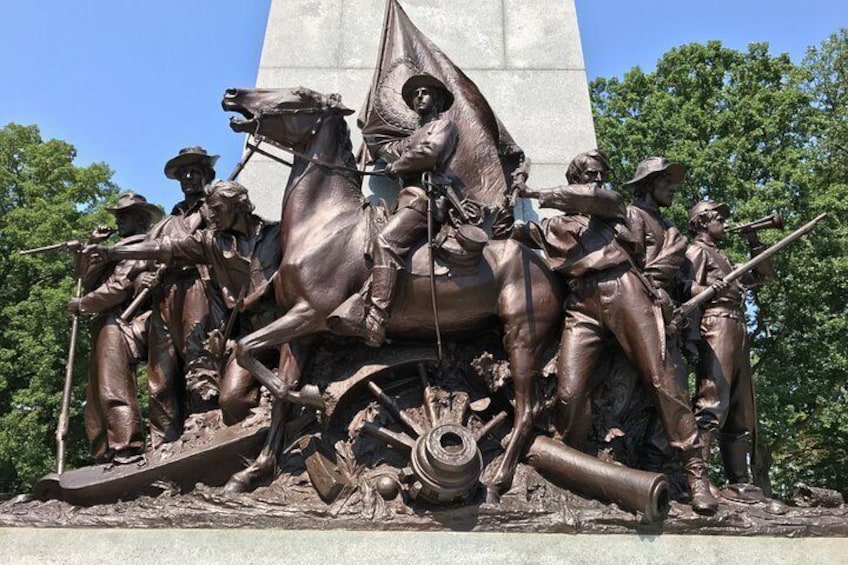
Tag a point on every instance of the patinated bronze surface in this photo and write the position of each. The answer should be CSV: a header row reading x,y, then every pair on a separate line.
x,y
242,252
325,226
421,162
617,261
495,363
724,402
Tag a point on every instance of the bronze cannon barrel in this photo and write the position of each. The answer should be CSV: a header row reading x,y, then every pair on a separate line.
x,y
633,490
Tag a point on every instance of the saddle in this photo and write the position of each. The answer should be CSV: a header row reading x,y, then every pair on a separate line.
x,y
456,251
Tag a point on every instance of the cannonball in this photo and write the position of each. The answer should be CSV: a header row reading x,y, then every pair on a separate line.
x,y
387,487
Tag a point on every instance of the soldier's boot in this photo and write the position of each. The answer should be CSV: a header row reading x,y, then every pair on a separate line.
x,y
734,456
706,439
382,294
367,319
702,500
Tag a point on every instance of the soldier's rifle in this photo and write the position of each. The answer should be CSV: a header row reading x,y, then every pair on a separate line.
x,y
683,311
64,413
71,246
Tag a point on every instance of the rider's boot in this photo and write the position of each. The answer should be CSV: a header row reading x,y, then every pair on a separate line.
x,y
367,319
382,293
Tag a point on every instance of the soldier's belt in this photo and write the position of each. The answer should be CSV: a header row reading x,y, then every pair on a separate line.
x,y
588,283
721,313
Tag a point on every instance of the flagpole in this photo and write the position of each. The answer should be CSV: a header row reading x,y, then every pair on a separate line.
x,y
364,151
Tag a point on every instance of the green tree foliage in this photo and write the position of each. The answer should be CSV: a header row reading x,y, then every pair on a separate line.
x,y
762,134
44,199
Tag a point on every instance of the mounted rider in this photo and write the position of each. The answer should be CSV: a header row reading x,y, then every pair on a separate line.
x,y
419,159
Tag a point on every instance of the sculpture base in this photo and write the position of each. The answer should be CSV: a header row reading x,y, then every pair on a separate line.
x,y
533,505
178,547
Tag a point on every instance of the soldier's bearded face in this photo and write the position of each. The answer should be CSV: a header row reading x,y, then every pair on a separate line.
x,y
594,174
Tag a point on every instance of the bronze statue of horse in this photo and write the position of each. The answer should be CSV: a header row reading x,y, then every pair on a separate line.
x,y
324,237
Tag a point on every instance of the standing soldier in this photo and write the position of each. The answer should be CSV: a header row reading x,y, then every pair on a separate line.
x,y
112,414
428,149
615,260
243,252
185,309
724,400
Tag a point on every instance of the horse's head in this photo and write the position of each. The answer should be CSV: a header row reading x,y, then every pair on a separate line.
x,y
288,116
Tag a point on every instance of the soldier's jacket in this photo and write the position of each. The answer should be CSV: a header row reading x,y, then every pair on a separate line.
x,y
182,222
429,148
237,262
657,247
583,240
115,287
706,264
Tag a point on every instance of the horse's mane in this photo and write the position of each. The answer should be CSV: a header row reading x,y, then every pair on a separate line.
x,y
343,133
332,103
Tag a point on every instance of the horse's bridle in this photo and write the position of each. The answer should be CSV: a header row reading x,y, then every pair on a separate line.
x,y
259,138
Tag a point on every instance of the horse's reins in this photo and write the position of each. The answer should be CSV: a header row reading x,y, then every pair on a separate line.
x,y
254,148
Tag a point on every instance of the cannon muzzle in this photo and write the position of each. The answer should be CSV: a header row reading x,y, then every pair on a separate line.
x,y
633,490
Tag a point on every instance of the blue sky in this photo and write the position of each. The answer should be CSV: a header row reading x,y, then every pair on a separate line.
x,y
130,82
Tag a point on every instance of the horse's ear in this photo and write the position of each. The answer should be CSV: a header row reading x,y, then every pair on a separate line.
x,y
335,102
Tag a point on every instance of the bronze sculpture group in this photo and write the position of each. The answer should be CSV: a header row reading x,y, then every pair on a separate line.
x,y
604,272
220,303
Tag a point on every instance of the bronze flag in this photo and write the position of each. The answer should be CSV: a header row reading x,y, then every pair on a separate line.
x,y
486,154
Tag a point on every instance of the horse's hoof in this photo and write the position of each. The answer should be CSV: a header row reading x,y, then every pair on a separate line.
x,y
243,481
492,495
236,485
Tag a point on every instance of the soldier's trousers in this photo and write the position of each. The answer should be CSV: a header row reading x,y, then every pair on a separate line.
x,y
403,230
615,305
725,389
181,320
112,413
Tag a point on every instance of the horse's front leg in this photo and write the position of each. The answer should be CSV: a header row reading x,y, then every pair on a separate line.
x,y
523,361
299,322
293,358
530,312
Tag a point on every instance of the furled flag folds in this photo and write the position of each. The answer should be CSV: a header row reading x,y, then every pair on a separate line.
x,y
486,154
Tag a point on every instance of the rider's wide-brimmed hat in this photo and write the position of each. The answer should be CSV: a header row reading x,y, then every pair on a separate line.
x,y
194,155
654,165
132,201
708,206
415,82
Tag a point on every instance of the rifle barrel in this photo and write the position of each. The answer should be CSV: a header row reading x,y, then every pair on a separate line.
x,y
72,245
